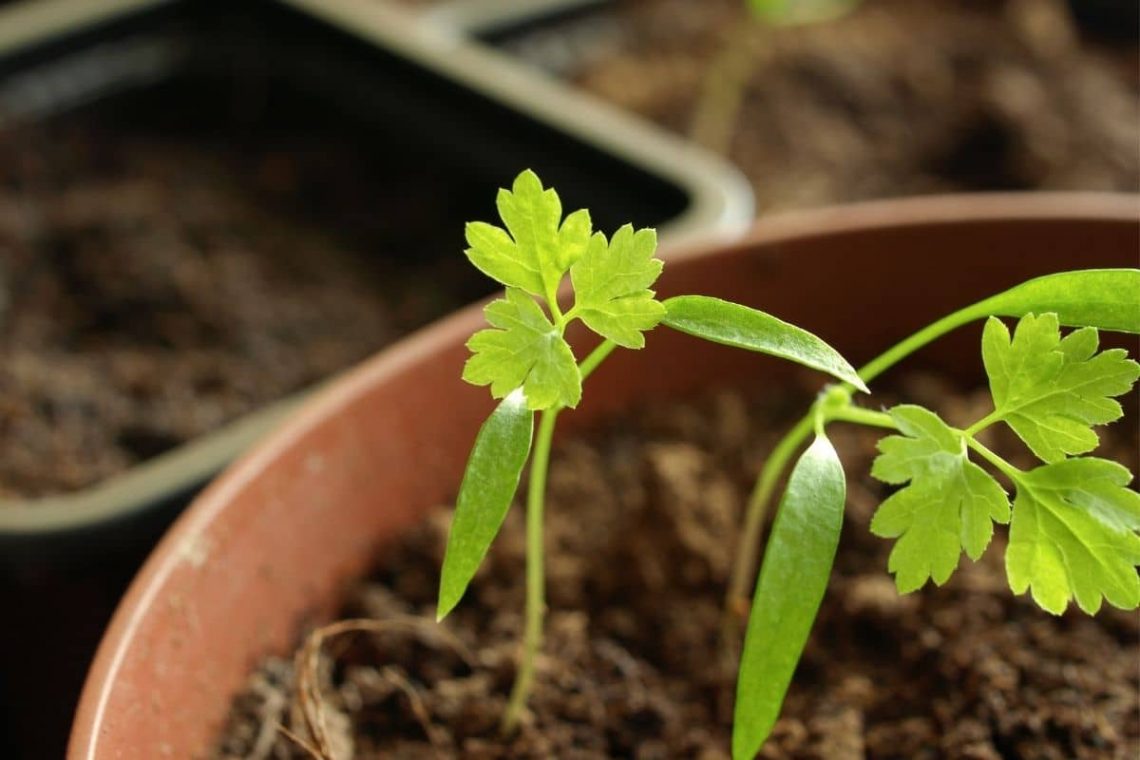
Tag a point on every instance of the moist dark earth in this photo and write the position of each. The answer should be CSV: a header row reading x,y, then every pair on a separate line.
x,y
898,98
155,284
642,516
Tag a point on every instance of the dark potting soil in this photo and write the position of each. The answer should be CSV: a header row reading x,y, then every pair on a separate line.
x,y
898,98
157,281
642,520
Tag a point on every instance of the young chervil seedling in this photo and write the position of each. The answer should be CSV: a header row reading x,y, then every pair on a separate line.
x,y
727,78
527,363
1073,522
799,12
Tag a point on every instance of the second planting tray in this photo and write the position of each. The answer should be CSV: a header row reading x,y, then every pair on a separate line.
x,y
421,114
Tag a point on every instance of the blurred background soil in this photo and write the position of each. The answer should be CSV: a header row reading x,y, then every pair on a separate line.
x,y
898,98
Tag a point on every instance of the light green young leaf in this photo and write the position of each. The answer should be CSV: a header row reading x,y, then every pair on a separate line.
x,y
525,351
540,248
739,326
1108,299
1074,536
949,505
489,484
792,581
611,286
496,255
1052,391
795,12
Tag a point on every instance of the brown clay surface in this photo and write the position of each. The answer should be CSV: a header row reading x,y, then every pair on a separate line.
x,y
155,284
641,520
898,98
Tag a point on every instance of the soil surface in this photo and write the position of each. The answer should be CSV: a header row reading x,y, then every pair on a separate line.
x,y
155,284
898,98
641,517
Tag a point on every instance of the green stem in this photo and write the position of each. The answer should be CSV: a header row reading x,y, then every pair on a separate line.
x,y
535,571
748,550
983,423
569,316
556,315
535,568
743,569
928,334
861,416
596,357
1004,467
723,88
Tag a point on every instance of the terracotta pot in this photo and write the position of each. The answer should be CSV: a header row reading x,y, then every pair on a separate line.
x,y
271,542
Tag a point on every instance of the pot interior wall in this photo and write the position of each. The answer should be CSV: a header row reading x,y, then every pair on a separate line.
x,y
388,443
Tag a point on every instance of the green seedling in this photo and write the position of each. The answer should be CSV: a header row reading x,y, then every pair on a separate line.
x,y
1073,522
728,75
526,361
798,12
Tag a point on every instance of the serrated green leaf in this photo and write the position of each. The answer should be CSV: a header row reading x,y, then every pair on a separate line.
x,y
796,12
949,505
791,584
611,286
1108,299
494,254
573,237
489,484
1053,391
541,246
525,351
739,326
1073,535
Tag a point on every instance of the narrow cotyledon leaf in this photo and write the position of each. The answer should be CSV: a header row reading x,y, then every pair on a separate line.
x,y
1108,299
792,581
489,484
742,327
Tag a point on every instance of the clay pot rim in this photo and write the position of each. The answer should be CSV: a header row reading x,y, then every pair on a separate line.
x,y
182,537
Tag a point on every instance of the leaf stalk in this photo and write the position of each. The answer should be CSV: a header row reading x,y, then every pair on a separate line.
x,y
1004,467
983,423
596,357
861,416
